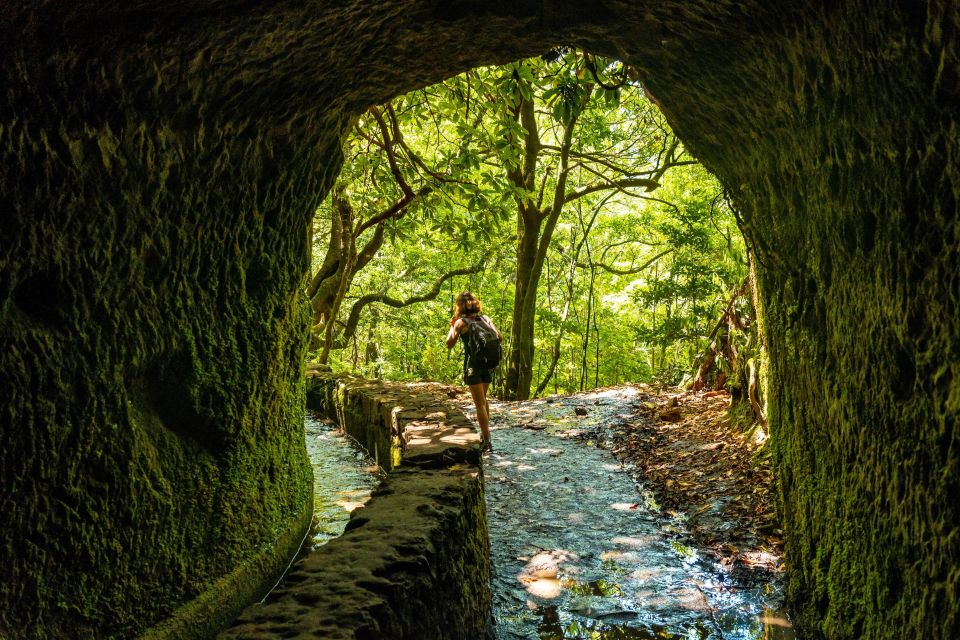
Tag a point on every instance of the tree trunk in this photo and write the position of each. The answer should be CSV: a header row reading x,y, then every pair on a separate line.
x,y
557,340
332,283
520,361
534,231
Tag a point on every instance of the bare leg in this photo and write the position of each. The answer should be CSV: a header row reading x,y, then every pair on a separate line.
x,y
478,391
486,386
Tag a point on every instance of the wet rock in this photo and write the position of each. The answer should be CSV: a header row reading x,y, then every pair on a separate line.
x,y
542,565
580,411
617,617
417,551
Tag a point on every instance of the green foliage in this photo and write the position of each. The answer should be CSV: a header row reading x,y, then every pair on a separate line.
x,y
661,267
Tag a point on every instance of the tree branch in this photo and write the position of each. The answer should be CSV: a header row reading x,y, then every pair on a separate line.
x,y
395,210
627,272
391,155
355,311
652,199
623,183
563,171
331,260
591,65
365,255
593,157
414,157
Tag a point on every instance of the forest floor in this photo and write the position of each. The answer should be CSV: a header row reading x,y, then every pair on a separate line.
x,y
702,470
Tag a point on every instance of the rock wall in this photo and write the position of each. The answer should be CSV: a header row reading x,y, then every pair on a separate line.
x,y
840,146
415,561
151,398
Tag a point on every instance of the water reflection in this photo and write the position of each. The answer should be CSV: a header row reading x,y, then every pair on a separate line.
x,y
578,552
343,477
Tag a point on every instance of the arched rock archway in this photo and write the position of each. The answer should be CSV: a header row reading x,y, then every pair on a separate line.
x,y
160,161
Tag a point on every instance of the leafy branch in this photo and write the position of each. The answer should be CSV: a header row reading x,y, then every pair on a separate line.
x,y
353,320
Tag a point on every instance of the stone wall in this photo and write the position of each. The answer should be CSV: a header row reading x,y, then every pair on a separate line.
x,y
840,147
218,605
399,424
415,561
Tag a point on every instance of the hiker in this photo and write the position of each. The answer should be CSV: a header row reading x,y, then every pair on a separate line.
x,y
481,354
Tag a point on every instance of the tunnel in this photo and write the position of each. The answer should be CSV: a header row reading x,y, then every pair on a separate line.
x,y
161,161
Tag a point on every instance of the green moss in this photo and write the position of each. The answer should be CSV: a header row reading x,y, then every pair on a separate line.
x,y
152,394
150,369
848,190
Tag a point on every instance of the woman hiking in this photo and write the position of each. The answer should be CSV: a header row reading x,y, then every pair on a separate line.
x,y
467,312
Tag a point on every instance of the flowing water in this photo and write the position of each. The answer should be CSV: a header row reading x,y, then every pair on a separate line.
x,y
579,552
343,477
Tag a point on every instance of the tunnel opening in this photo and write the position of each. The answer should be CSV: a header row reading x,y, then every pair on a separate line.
x,y
429,203
126,132
435,197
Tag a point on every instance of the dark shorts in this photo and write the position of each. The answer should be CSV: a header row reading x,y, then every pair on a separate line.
x,y
476,376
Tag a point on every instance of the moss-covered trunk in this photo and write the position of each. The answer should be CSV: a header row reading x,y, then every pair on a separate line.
x,y
519,374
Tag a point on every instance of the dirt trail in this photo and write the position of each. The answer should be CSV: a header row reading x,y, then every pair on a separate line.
x,y
707,473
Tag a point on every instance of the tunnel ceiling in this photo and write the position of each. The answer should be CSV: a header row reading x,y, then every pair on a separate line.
x,y
274,62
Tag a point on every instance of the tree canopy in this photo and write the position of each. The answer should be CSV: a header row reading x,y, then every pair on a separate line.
x,y
554,189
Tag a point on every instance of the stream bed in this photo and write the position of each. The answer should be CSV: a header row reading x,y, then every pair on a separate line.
x,y
343,477
580,551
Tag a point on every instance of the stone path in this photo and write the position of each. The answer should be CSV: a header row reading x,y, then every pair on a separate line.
x,y
579,552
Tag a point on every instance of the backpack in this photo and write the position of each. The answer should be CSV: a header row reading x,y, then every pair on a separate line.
x,y
482,344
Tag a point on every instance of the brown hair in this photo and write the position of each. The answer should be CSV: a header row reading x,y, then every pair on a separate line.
x,y
466,303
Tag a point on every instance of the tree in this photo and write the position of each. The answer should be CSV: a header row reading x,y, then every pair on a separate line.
x,y
554,158
378,173
502,162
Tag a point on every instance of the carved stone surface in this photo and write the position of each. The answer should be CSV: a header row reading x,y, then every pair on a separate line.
x,y
415,561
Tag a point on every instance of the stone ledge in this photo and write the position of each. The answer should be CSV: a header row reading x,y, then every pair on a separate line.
x,y
414,562
409,424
